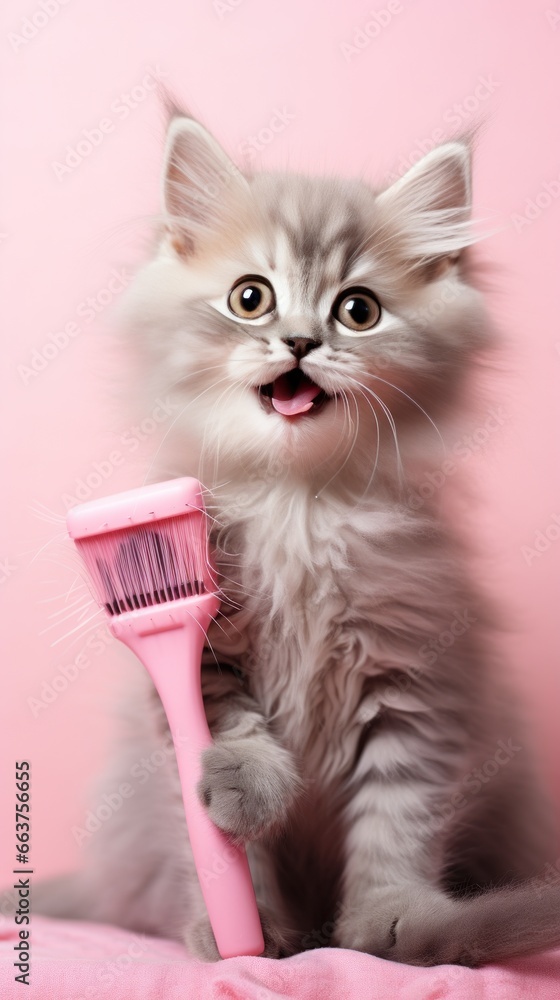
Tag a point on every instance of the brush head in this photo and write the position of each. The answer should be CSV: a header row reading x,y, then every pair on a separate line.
x,y
145,547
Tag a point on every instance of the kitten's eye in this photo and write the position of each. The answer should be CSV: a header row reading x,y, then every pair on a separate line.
x,y
251,298
357,309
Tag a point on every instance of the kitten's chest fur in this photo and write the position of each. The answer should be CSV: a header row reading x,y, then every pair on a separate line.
x,y
310,583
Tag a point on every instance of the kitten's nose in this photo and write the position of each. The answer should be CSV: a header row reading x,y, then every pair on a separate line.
x,y
300,346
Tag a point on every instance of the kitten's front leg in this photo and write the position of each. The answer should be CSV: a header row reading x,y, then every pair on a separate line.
x,y
249,780
392,906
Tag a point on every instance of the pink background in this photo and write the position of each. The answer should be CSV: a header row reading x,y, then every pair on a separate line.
x,y
363,111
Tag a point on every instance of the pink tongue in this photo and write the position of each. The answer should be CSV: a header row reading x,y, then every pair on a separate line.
x,y
293,393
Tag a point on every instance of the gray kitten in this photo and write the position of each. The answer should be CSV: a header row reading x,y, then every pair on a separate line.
x,y
317,335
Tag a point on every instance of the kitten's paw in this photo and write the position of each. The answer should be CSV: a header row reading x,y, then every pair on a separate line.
x,y
414,926
247,786
200,940
201,943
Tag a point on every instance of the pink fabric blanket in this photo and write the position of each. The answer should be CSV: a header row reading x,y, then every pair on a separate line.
x,y
79,961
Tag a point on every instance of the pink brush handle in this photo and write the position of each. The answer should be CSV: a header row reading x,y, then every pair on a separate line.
x,y
169,640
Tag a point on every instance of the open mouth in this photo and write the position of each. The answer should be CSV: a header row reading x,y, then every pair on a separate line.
x,y
293,394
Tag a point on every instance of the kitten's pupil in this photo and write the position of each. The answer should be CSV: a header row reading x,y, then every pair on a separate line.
x,y
251,298
358,310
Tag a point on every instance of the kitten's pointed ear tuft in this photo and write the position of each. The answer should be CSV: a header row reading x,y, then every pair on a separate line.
x,y
431,204
199,181
170,104
444,176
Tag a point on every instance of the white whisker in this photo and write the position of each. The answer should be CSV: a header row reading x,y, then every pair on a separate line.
x,y
99,616
390,421
412,400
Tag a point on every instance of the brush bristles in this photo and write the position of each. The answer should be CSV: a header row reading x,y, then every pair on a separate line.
x,y
149,564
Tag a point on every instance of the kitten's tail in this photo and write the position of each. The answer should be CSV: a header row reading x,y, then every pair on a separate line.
x,y
496,925
506,923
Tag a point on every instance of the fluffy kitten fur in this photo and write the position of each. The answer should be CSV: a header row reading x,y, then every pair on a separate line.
x,y
344,742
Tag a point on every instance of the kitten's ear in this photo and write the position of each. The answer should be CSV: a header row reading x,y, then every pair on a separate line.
x,y
431,205
199,181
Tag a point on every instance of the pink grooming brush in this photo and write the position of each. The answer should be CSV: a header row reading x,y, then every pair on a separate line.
x,y
146,551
